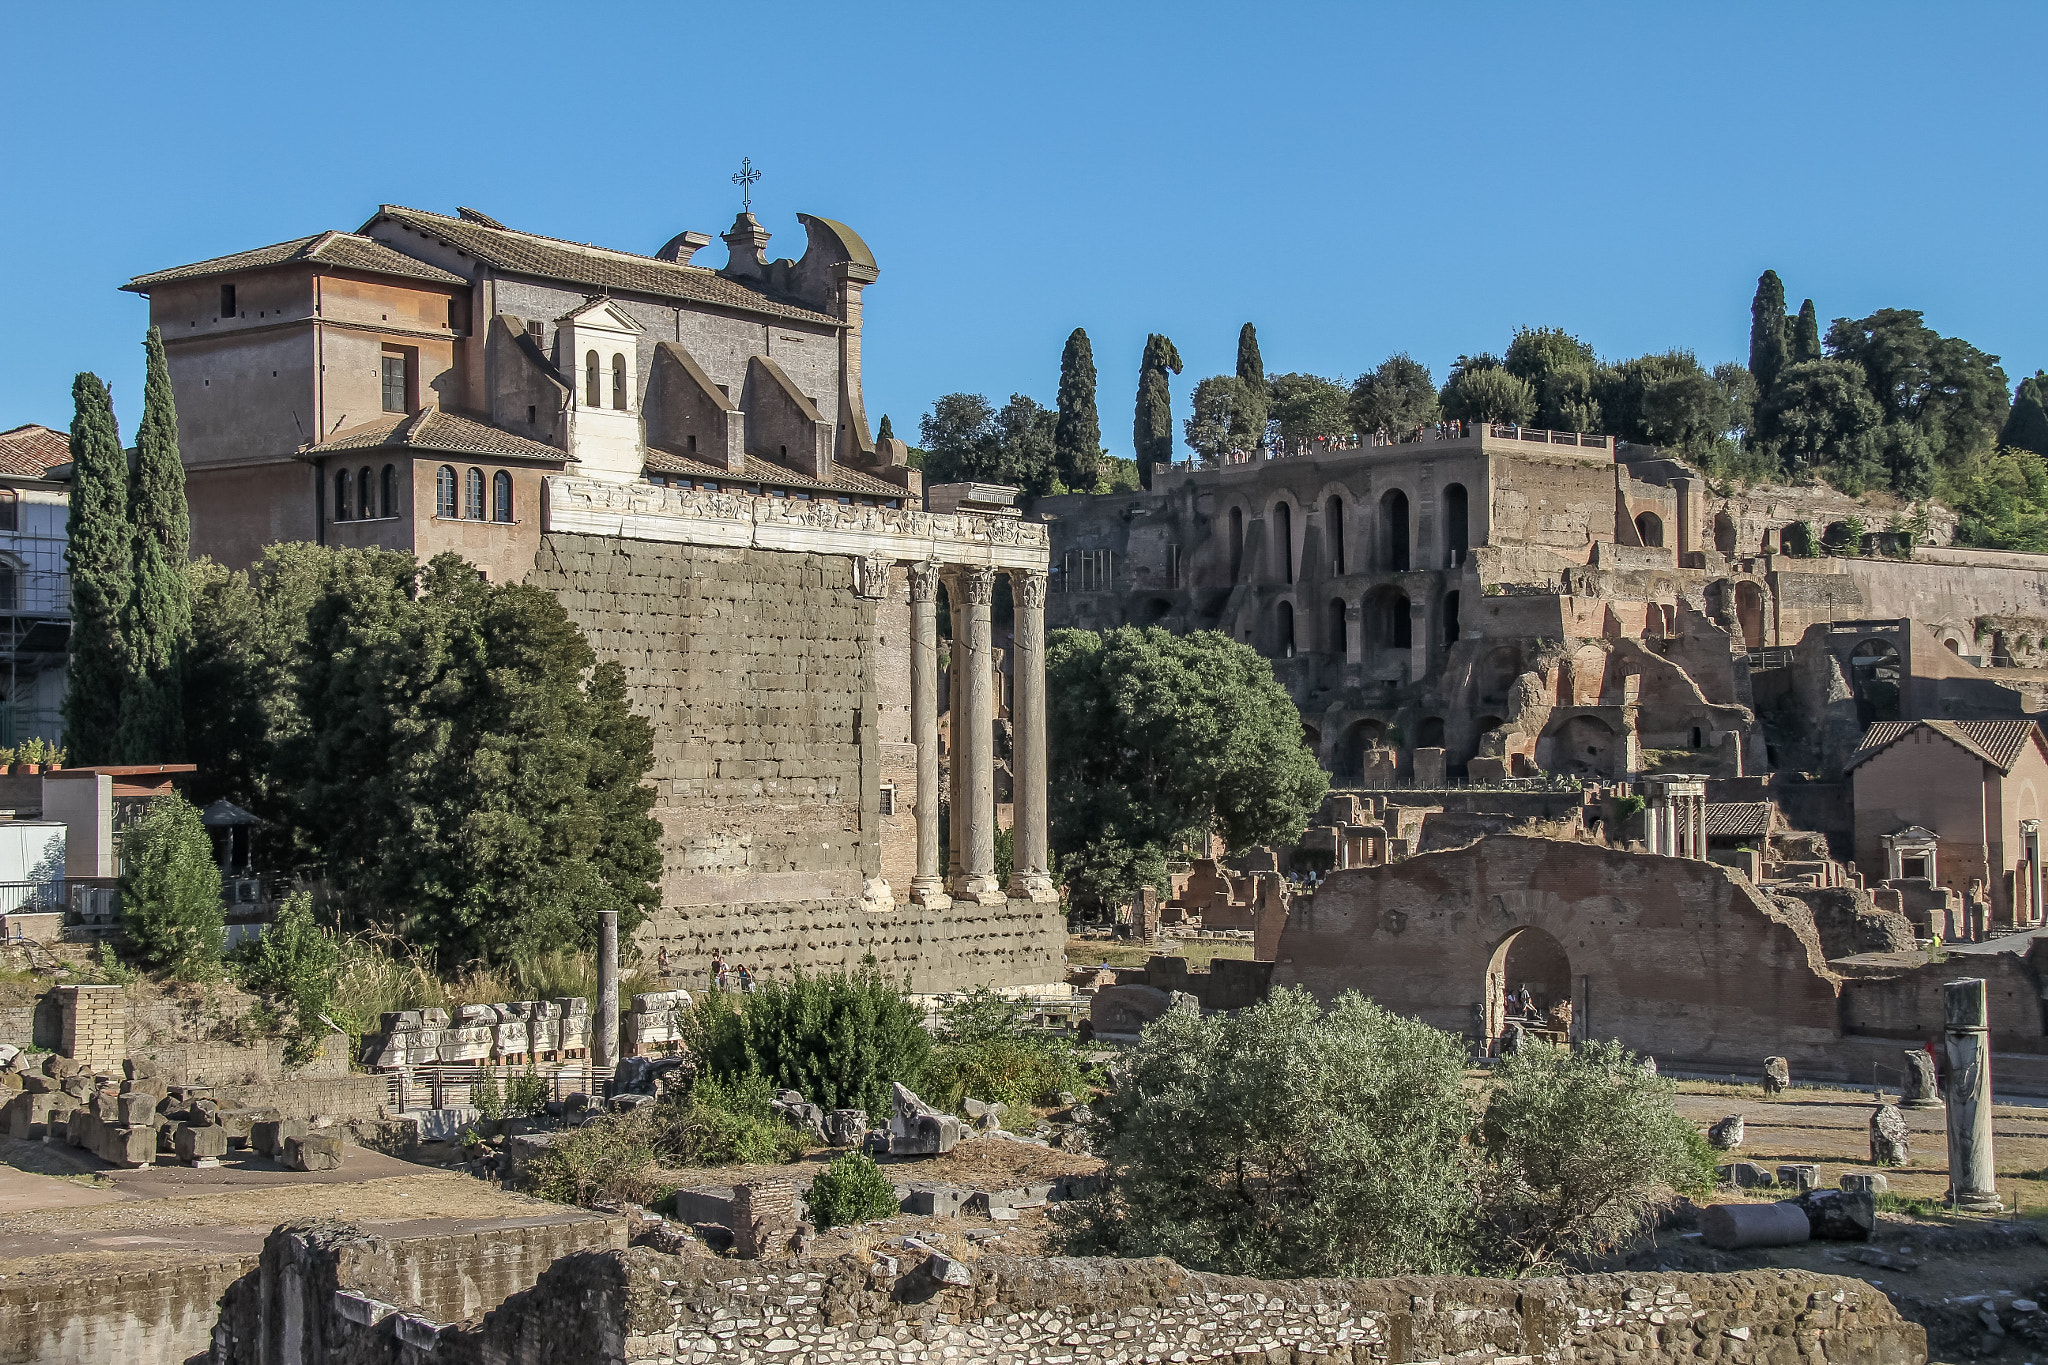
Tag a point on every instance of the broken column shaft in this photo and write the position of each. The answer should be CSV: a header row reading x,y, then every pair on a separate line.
x,y
604,1042
1971,1182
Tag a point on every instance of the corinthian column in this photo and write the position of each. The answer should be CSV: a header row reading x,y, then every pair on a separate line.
x,y
928,886
974,758
1030,877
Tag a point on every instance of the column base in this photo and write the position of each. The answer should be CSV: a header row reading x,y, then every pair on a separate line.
x,y
1035,887
981,889
1978,1202
929,892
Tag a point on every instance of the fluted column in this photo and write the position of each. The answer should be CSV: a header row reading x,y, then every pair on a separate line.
x,y
974,758
1031,864
956,730
928,886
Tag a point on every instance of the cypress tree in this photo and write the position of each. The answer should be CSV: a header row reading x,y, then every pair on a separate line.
x,y
1251,374
1077,431
158,619
885,432
1767,333
2026,426
1152,431
96,547
1805,344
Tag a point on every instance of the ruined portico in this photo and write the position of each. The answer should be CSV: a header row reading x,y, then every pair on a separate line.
x,y
767,710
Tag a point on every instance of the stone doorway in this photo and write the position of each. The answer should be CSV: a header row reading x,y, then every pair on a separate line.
x,y
1528,957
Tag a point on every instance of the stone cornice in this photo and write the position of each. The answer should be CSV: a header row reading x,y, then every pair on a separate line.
x,y
698,517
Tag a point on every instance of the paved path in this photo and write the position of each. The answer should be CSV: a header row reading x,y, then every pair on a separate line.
x,y
2004,943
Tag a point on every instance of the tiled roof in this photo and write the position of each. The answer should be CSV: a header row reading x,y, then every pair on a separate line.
x,y
551,258
1738,819
31,452
761,469
1997,742
432,430
342,250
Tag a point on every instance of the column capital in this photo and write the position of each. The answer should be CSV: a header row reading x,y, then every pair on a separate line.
x,y
977,583
924,581
1027,586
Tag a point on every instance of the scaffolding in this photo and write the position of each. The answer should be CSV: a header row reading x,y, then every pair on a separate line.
x,y
35,621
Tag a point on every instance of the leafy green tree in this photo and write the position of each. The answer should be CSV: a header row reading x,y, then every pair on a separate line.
x,y
1077,431
450,750
1152,429
1284,1141
157,620
1156,739
1951,393
1767,332
1803,341
1398,398
1220,419
839,1038
885,432
1308,407
97,548
1251,373
1488,394
1578,1142
294,965
2000,500
170,890
1536,353
850,1190
1821,413
966,438
2026,427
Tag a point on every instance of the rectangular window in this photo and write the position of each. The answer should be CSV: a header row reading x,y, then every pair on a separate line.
x,y
1085,571
889,800
394,383
227,301
1173,566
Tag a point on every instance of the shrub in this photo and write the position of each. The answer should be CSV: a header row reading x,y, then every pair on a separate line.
x,y
293,966
984,1052
609,1161
1283,1141
838,1038
1578,1141
170,890
851,1190
725,1122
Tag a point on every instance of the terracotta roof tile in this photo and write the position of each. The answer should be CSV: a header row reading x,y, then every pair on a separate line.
x,y
1737,819
31,452
760,469
432,430
551,258
341,250
1997,742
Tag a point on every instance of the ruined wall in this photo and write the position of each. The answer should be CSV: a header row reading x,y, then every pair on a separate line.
x,y
757,669
643,1306
1907,1005
1676,958
144,1317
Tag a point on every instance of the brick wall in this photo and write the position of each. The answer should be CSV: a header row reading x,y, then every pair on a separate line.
x,y
95,1025
156,1317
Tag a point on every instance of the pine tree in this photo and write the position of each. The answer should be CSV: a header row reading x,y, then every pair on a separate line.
x,y
1251,373
886,432
158,619
2026,427
97,547
1767,333
1077,432
1152,431
1805,342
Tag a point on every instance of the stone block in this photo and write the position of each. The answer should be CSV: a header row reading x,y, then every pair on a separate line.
x,y
1745,1175
314,1151
1799,1176
268,1136
197,1144
401,1021
131,1147
445,1125
138,1109
937,1201
469,1043
1728,1227
1865,1182
26,1116
509,1040
543,1035
240,1124
433,1018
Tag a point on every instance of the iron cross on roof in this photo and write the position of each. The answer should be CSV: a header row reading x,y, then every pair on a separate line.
x,y
745,178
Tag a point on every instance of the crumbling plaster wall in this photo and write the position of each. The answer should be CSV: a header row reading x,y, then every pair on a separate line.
x,y
1676,958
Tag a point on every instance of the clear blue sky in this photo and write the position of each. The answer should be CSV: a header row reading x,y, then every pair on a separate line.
x,y
1354,179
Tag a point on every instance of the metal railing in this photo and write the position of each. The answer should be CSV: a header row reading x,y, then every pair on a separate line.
x,y
1771,657
46,897
452,1087
1509,432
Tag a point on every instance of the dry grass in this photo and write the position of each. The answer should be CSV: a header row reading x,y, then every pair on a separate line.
x,y
1093,952
380,972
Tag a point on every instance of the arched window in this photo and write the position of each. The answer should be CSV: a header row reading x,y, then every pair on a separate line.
x,y
366,495
1451,628
390,490
619,382
1457,526
1340,641
1236,543
1650,530
341,492
1394,531
1283,621
1283,540
593,396
10,510
473,500
444,492
501,496
1333,513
